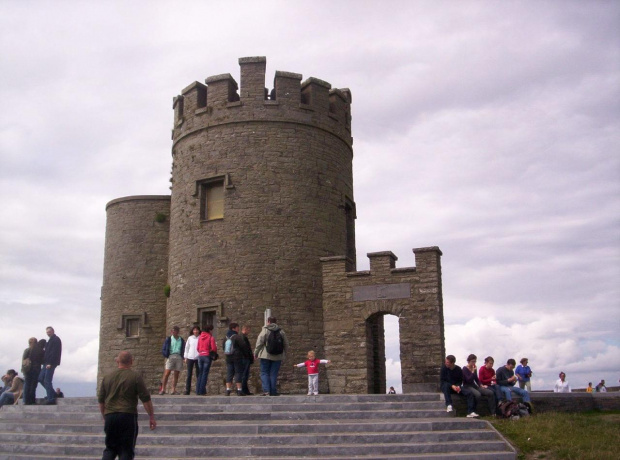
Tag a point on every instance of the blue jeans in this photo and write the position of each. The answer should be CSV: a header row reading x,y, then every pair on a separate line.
x,y
506,391
6,398
446,389
204,365
45,379
269,375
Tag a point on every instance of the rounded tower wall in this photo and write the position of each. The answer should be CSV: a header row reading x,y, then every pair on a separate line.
x,y
133,302
285,167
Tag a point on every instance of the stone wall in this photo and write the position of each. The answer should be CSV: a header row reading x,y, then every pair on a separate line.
x,y
353,302
286,166
134,276
543,401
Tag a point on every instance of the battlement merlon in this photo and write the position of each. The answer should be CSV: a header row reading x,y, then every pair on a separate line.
x,y
221,100
428,262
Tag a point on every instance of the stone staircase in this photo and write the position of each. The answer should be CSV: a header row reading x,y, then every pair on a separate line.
x,y
409,426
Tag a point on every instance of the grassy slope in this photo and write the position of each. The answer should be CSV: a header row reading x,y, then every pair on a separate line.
x,y
580,436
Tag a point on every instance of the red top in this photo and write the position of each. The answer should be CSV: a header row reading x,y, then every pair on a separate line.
x,y
312,366
206,344
486,376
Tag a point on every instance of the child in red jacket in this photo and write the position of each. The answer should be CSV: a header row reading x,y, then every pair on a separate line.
x,y
312,365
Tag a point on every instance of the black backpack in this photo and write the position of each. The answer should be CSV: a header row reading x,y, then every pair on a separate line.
x,y
275,343
508,409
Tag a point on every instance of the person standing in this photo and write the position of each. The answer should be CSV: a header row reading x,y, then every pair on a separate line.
x,y
561,385
248,361
118,403
524,374
312,366
172,350
271,347
31,368
235,349
601,388
191,358
589,389
51,360
207,353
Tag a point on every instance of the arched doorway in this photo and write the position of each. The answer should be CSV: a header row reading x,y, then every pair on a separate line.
x,y
377,336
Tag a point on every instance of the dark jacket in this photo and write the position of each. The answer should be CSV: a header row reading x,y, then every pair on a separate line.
x,y
502,375
249,355
452,376
165,350
53,350
240,349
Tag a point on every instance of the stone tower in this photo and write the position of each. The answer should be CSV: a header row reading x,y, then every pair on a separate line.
x,y
262,188
262,217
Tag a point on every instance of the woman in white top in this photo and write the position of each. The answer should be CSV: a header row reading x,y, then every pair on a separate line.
x,y
191,357
561,385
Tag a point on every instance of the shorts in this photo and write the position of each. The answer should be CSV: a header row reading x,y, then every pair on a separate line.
x,y
174,363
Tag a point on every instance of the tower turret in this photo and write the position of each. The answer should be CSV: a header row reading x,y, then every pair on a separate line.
x,y
262,188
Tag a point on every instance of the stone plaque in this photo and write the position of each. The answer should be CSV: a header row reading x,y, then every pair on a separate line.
x,y
382,291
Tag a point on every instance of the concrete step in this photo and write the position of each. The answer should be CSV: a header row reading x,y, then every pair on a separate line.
x,y
324,426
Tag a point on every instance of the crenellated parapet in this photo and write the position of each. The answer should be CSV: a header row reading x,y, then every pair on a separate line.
x,y
222,101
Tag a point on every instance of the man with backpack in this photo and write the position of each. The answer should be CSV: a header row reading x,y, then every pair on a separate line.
x,y
271,346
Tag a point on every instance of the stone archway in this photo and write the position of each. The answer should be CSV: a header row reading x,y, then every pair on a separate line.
x,y
375,353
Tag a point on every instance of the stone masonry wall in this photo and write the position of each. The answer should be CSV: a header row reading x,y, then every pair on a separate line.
x,y
287,167
353,300
135,273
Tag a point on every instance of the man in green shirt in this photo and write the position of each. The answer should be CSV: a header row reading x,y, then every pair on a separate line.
x,y
118,402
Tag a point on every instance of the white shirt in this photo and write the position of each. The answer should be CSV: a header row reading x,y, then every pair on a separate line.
x,y
190,347
561,387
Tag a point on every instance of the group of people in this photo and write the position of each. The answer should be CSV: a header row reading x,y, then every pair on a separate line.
x,y
473,383
600,388
39,361
200,350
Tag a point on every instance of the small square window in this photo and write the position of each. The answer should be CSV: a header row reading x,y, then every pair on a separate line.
x,y
212,202
132,327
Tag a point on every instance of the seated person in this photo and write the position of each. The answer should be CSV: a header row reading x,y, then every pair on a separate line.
x,y
5,383
12,395
486,375
506,380
471,383
451,379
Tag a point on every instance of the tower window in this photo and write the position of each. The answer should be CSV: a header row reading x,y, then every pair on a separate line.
x,y
132,327
212,206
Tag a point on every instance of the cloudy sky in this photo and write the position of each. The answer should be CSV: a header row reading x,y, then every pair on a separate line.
x,y
489,129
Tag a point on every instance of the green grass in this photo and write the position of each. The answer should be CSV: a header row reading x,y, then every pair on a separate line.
x,y
591,435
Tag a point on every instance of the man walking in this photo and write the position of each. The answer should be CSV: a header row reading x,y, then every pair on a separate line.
x,y
51,360
173,349
271,345
118,402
